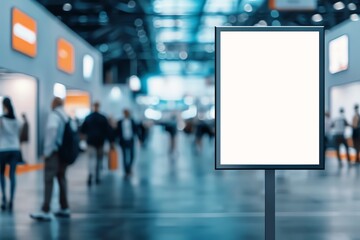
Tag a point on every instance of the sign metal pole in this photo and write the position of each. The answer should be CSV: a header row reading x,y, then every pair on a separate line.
x,y
270,204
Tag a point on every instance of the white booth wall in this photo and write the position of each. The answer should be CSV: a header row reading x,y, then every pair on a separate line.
x,y
22,90
345,96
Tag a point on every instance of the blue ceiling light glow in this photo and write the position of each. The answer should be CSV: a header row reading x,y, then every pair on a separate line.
x,y
206,35
223,6
183,55
104,47
276,23
248,8
176,7
354,17
171,67
138,22
167,22
174,35
67,7
212,21
274,13
103,17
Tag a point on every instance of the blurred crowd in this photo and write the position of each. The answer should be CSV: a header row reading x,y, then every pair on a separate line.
x,y
335,134
98,137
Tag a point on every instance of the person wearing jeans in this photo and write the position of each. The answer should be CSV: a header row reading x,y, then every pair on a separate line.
x,y
9,151
126,132
54,166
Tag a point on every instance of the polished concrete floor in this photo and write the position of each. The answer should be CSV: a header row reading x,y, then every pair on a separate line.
x,y
183,197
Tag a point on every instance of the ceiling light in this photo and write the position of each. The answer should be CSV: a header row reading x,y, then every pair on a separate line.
x,y
191,112
160,47
103,17
162,55
134,83
183,55
276,23
262,23
188,100
243,17
115,93
339,5
104,47
354,17
138,22
67,7
152,114
131,4
127,47
352,6
141,33
317,18
144,39
274,13
248,7
209,48
232,19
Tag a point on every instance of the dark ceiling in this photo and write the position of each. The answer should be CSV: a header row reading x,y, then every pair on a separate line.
x,y
152,33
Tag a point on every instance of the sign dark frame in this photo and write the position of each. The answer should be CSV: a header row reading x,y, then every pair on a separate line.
x,y
218,165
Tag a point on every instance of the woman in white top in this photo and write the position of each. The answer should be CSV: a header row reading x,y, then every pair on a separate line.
x,y
9,150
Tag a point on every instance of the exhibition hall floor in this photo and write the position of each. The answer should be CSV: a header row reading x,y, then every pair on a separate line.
x,y
183,197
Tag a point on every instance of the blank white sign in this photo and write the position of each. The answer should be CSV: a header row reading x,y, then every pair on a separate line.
x,y
269,104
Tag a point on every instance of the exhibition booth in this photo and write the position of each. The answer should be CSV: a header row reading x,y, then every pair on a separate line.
x,y
342,73
41,58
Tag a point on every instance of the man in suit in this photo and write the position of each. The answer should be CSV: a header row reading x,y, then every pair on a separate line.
x,y
126,132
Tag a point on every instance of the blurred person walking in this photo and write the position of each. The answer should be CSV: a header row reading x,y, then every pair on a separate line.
x,y
126,131
96,130
54,166
143,132
339,125
9,151
327,130
171,128
24,137
356,131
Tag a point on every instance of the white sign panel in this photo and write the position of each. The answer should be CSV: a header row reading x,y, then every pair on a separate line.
x,y
269,97
339,54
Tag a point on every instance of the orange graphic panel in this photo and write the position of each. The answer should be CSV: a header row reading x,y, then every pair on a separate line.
x,y
65,56
24,33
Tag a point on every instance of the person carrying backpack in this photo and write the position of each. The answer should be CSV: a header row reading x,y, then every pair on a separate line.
x,y
57,129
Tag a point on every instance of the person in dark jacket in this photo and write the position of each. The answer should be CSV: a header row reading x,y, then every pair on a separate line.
x,y
96,130
356,132
339,125
24,138
126,131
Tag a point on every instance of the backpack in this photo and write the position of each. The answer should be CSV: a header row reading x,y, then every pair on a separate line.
x,y
69,147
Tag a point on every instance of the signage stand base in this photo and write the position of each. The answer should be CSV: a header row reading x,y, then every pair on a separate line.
x,y
270,204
